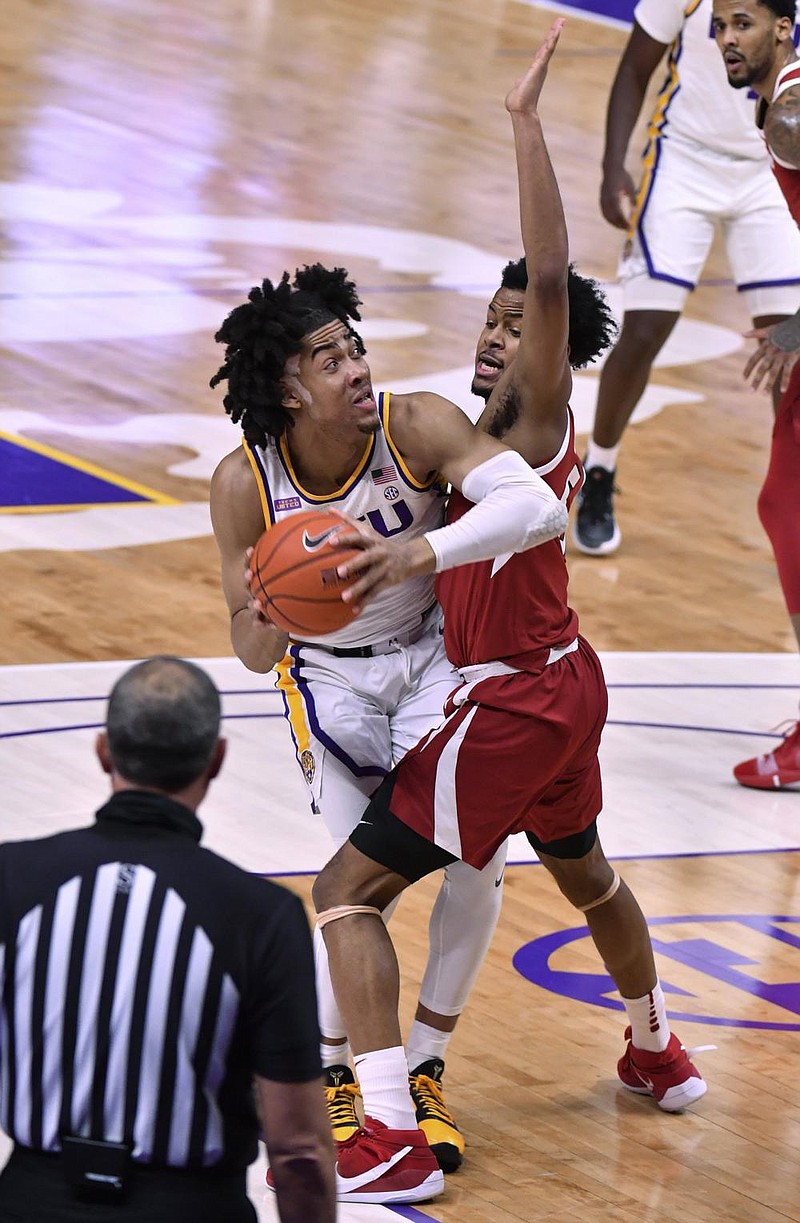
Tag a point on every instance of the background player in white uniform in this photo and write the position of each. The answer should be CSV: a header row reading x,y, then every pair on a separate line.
x,y
359,698
704,165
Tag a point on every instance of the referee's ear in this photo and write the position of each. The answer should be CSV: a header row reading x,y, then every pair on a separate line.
x,y
103,754
217,759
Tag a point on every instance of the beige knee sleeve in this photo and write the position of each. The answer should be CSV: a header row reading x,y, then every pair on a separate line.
x,y
601,900
329,915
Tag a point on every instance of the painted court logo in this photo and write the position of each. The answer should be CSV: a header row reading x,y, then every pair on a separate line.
x,y
727,970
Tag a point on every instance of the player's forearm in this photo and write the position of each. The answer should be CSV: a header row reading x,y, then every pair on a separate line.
x,y
514,510
256,643
542,221
305,1185
624,108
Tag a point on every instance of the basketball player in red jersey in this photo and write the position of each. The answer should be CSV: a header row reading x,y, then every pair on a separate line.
x,y
755,38
517,750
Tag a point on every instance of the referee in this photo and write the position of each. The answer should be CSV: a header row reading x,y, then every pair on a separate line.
x,y
157,1002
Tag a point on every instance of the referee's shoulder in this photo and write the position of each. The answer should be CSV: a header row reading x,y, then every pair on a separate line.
x,y
244,884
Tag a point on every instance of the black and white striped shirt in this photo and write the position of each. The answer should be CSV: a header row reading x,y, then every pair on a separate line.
x,y
144,981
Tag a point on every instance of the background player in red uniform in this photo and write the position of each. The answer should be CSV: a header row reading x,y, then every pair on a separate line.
x,y
755,38
518,748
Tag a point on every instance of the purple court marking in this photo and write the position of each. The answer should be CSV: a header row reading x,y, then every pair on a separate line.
x,y
69,700
616,12
410,1212
702,954
30,478
709,730
57,730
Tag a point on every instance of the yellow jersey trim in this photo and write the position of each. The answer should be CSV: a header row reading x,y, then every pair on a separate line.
x,y
421,486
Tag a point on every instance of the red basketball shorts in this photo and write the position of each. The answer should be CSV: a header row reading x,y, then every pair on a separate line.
x,y
518,754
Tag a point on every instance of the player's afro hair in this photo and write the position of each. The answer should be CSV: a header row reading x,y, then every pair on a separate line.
x,y
591,324
265,331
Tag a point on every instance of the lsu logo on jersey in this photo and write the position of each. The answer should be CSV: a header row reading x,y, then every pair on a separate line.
x,y
308,764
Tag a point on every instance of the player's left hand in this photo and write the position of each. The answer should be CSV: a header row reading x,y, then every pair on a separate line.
x,y
776,355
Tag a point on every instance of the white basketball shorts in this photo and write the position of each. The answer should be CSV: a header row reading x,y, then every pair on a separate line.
x,y
351,719
688,190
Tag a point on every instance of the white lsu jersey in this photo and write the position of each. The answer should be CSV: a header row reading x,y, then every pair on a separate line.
x,y
696,102
381,491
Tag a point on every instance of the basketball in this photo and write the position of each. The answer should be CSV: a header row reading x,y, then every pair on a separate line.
x,y
293,568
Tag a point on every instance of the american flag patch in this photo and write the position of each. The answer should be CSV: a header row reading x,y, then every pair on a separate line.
x,y
382,475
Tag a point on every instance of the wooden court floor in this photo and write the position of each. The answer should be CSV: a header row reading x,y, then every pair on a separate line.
x,y
155,161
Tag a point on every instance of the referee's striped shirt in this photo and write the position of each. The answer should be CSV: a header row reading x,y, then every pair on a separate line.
x,y
144,981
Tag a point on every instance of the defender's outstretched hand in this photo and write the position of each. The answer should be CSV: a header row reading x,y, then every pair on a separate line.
x,y
524,97
776,356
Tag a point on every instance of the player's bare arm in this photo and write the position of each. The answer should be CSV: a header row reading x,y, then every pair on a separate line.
x,y
782,127
778,347
238,520
539,381
641,57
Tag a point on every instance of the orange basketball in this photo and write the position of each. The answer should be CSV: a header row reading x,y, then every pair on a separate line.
x,y
293,569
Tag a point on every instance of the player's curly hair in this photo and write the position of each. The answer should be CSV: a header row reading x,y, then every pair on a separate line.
x,y
591,324
265,331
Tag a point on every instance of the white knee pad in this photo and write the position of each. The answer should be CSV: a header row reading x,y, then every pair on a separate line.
x,y
461,926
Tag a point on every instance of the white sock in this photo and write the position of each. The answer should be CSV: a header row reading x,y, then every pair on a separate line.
x,y
335,1055
383,1078
601,456
648,1019
425,1042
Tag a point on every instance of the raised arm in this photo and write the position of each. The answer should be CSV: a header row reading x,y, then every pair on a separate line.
x,y
639,61
238,521
532,396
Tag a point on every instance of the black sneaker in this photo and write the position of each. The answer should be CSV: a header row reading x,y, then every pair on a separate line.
x,y
595,530
434,1117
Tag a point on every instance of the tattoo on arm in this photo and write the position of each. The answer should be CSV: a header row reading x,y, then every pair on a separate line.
x,y
782,127
786,335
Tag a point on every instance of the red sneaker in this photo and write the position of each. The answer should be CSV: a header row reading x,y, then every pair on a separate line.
x,y
669,1077
777,769
382,1165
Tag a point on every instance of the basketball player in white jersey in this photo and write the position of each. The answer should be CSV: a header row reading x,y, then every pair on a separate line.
x,y
759,53
704,167
357,699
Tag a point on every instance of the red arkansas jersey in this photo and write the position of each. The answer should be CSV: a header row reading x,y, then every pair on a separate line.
x,y
513,609
788,177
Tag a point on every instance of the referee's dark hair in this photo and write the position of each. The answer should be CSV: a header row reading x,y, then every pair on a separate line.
x,y
162,724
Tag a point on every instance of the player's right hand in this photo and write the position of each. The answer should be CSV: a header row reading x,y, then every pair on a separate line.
x,y
618,198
